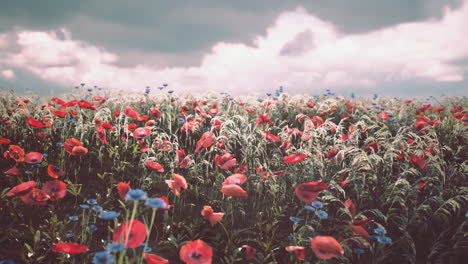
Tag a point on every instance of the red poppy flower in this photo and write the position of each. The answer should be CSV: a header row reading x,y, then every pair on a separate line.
x,y
15,153
249,252
54,171
317,121
155,113
132,113
154,166
123,188
234,190
298,251
58,101
206,140
211,215
270,137
35,197
33,157
293,158
101,134
360,231
196,252
326,247
238,179
69,248
12,171
418,162
99,99
4,141
154,259
55,189
384,116
181,159
74,147
79,151
263,119
106,126
141,132
22,189
131,127
250,111
308,192
176,184
225,161
310,105
86,105
344,137
131,233
60,113
36,123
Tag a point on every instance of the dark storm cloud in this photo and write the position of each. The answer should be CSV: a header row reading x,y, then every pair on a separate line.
x,y
188,26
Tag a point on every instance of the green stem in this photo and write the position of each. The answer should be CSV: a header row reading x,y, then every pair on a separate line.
x,y
153,215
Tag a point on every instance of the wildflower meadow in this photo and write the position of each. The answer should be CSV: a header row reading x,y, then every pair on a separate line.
x,y
162,177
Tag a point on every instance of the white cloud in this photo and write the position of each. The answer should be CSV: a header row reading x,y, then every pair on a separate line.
x,y
298,50
8,74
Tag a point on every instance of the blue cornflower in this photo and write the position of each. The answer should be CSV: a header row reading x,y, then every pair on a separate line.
x,y
321,214
148,249
156,203
45,155
109,215
268,94
384,240
71,121
170,91
97,208
295,219
290,238
84,206
136,195
165,85
309,208
37,165
68,235
358,250
91,201
103,257
115,247
61,127
222,104
275,98
180,120
390,115
373,237
164,109
59,144
317,204
77,124
260,100
92,228
73,218
28,172
380,231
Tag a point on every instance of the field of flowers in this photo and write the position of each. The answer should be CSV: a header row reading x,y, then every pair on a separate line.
x,y
163,178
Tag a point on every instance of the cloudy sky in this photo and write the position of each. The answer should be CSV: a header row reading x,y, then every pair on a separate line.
x,y
395,48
